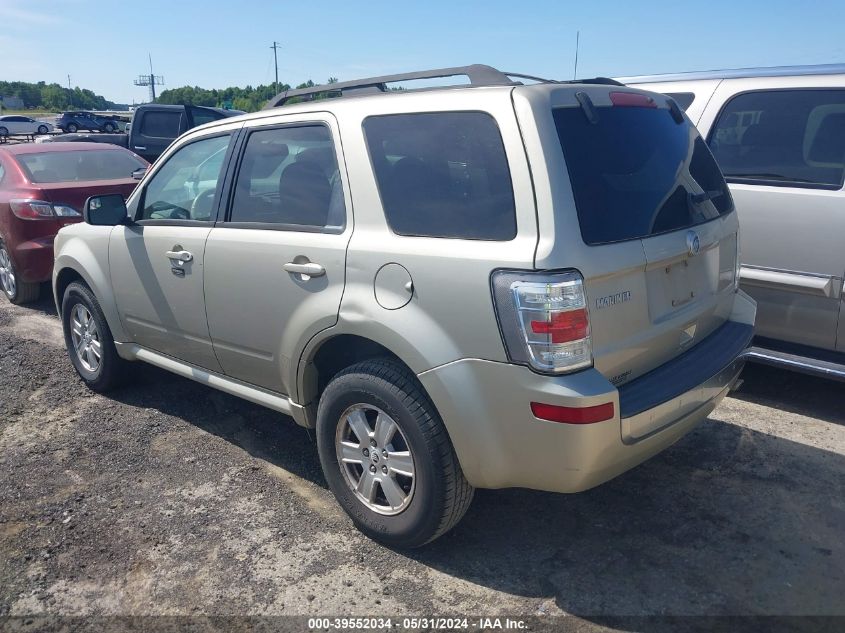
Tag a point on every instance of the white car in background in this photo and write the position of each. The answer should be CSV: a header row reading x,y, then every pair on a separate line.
x,y
17,124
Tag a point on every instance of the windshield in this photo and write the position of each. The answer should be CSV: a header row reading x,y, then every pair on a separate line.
x,y
636,172
79,165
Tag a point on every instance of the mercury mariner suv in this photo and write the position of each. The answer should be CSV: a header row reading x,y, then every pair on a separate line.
x,y
514,282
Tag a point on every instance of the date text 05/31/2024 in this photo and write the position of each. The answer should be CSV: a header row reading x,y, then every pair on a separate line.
x,y
411,623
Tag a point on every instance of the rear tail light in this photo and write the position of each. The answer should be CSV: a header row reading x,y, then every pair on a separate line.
x,y
544,319
41,210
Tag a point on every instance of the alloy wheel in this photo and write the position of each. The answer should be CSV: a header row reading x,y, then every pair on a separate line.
x,y
7,274
376,459
85,337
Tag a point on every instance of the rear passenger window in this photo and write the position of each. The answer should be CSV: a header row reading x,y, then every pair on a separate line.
x,y
443,175
683,99
289,177
161,124
793,138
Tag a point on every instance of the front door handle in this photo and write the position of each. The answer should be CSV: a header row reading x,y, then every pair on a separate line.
x,y
182,256
143,149
311,269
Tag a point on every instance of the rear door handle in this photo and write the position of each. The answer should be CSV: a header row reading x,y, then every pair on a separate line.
x,y
311,269
140,148
182,256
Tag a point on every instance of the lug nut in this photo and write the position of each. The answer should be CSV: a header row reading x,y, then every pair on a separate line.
x,y
366,452
384,453
372,468
384,469
373,443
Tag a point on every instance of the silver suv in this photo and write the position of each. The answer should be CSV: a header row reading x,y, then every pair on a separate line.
x,y
779,136
491,285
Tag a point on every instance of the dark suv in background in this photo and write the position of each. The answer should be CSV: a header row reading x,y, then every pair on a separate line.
x,y
74,121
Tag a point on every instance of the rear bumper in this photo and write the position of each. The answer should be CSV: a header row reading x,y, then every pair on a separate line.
x,y
34,259
486,408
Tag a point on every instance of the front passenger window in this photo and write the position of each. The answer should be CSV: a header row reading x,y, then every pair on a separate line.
x,y
185,188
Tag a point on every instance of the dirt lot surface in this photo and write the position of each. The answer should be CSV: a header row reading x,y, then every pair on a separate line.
x,y
168,498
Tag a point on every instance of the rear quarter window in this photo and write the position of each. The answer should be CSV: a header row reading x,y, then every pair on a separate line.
x,y
636,172
787,138
442,174
161,124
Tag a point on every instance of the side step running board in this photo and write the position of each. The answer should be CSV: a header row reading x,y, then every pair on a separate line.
x,y
794,362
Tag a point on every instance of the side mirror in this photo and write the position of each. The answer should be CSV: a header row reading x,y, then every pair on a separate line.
x,y
139,173
107,210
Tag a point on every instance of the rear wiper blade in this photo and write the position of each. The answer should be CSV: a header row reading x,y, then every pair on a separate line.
x,y
704,196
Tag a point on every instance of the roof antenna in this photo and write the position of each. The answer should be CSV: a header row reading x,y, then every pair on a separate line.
x,y
577,42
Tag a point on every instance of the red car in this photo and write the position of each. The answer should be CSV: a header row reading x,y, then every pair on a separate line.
x,y
43,188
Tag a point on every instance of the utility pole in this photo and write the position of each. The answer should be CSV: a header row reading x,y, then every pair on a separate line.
x,y
275,46
577,42
70,91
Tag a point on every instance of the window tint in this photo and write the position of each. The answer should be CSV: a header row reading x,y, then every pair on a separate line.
x,y
683,99
635,172
203,115
289,176
443,175
161,124
783,137
79,165
185,186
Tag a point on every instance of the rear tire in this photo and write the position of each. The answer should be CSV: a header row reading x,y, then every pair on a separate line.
x,y
89,340
72,128
109,128
4,131
412,510
42,129
17,291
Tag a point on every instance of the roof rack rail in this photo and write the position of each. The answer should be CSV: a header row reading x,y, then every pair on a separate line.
x,y
479,75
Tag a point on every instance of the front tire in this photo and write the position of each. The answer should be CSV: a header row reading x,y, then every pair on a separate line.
x,y
109,128
4,131
17,291
89,340
371,413
42,129
72,128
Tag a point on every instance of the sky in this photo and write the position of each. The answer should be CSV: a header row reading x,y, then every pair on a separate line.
x,y
219,43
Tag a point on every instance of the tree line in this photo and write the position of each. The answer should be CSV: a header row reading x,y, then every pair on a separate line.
x,y
248,99
53,96
44,96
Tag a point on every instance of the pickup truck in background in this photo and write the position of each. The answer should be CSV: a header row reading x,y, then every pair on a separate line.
x,y
153,128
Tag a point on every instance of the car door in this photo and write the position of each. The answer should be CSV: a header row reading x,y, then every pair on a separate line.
x,y
275,267
16,125
156,263
154,130
781,145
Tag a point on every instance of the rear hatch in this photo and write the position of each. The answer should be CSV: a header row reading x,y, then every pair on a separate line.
x,y
656,218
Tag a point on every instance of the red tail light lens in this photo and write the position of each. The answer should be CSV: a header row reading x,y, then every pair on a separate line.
x,y
564,327
573,415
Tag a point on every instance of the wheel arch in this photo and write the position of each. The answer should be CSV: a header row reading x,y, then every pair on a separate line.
x,y
83,267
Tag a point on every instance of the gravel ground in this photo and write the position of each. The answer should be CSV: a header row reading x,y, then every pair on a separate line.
x,y
168,498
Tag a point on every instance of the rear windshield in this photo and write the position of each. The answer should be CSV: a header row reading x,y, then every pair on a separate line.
x,y
79,165
636,172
